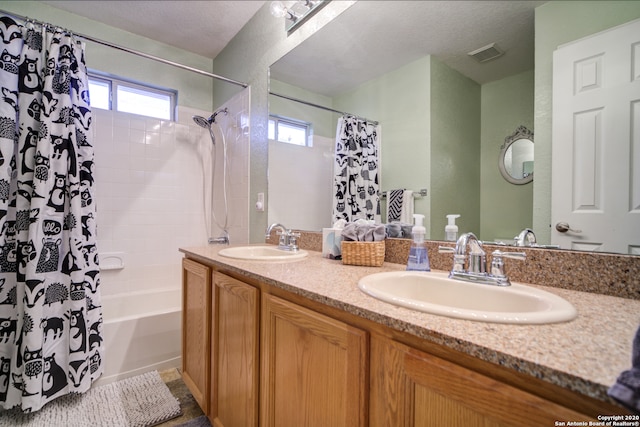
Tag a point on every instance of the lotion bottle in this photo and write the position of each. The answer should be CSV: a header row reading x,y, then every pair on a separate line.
x,y
451,229
418,255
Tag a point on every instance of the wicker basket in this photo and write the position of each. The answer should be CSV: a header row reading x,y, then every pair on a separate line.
x,y
370,254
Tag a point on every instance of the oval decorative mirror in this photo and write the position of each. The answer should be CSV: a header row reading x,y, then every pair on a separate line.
x,y
516,157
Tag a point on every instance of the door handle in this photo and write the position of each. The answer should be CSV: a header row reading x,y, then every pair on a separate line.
x,y
563,227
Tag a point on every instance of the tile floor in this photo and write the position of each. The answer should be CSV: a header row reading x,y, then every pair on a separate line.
x,y
190,408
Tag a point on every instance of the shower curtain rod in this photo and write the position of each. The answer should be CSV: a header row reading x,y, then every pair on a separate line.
x,y
132,51
311,104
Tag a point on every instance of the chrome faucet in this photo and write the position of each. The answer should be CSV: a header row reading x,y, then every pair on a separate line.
x,y
526,238
477,256
222,240
476,262
288,239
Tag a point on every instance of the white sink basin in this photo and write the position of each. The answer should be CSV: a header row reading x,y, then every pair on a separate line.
x,y
435,293
262,253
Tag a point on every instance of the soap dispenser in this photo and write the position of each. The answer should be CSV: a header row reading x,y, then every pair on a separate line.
x,y
451,229
418,255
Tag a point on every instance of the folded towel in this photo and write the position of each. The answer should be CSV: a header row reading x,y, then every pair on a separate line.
x,y
394,229
407,230
363,232
626,390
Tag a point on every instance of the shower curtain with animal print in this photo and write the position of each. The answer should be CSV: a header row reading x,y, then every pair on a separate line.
x,y
356,176
50,315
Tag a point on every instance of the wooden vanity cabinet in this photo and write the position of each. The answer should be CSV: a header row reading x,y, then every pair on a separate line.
x,y
220,319
413,388
314,368
251,358
234,356
196,330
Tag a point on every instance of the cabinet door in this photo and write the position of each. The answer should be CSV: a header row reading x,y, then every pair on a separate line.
x,y
314,368
412,388
234,356
196,330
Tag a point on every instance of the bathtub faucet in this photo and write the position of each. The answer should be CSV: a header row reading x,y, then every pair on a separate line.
x,y
222,240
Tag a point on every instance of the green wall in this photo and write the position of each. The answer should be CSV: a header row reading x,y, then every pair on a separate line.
x,y
559,22
430,116
455,150
505,208
194,90
399,100
260,43
324,122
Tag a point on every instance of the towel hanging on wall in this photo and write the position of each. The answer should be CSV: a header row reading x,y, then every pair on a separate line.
x,y
394,205
400,206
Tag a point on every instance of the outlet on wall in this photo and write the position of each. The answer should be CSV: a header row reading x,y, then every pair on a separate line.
x,y
260,202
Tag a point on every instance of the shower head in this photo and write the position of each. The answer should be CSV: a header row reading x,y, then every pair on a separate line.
x,y
206,123
202,122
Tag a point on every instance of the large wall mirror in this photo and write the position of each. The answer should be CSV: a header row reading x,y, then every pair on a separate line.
x,y
443,114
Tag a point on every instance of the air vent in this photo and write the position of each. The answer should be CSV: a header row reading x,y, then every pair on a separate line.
x,y
486,53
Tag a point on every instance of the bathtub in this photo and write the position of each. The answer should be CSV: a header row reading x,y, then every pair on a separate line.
x,y
142,333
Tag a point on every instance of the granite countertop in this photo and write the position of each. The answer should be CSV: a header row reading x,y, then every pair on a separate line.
x,y
585,355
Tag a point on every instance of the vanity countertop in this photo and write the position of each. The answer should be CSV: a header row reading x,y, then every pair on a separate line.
x,y
585,355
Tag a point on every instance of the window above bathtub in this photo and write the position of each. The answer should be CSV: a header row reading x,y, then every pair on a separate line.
x,y
291,131
109,92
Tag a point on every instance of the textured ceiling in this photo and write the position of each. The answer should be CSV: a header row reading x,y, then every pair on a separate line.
x,y
368,39
202,27
374,37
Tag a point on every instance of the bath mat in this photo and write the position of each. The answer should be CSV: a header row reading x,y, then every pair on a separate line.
x,y
201,421
140,401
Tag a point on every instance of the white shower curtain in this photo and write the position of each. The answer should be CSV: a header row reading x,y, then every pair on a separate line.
x,y
50,315
356,174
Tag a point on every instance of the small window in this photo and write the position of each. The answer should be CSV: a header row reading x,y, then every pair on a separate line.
x,y
291,131
113,93
100,93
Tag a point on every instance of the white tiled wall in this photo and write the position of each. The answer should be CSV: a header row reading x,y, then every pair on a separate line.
x,y
149,190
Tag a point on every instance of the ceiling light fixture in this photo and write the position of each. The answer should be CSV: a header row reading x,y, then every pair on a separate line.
x,y
295,12
279,10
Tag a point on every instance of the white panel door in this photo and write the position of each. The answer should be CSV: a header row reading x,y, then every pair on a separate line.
x,y
596,142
